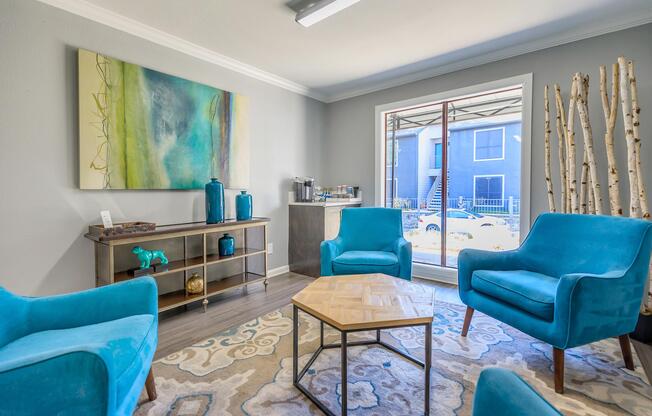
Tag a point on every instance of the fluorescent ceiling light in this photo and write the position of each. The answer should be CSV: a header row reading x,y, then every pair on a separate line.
x,y
322,9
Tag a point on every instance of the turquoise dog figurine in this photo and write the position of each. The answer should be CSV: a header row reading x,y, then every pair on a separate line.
x,y
146,256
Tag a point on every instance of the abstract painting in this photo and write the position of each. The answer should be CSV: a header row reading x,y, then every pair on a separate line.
x,y
143,129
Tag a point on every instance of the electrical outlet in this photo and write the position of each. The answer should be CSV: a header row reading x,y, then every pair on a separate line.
x,y
270,248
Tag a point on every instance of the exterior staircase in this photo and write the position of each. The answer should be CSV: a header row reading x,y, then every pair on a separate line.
x,y
434,197
434,203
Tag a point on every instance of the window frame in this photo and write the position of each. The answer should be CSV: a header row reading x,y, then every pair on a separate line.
x,y
502,190
395,148
395,184
525,81
475,144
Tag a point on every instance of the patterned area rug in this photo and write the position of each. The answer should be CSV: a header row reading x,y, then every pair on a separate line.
x,y
248,370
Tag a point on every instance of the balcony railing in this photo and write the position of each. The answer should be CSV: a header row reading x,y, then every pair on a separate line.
x,y
507,208
482,206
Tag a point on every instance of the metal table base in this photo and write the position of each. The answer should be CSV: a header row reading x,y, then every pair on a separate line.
x,y
297,374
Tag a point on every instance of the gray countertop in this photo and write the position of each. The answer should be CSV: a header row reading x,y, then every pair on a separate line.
x,y
329,204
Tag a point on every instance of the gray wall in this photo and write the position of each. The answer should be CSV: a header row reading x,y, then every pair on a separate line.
x,y
349,147
43,214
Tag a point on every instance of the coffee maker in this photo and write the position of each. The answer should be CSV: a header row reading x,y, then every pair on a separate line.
x,y
304,189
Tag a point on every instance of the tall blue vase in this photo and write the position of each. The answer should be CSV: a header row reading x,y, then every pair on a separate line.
x,y
214,201
243,206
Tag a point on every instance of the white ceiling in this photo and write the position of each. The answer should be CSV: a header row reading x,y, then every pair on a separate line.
x,y
375,43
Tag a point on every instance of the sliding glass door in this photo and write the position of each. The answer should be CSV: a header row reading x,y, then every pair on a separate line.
x,y
454,168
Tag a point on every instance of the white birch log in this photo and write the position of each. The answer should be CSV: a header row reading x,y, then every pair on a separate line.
x,y
583,110
610,110
634,197
561,134
589,189
547,131
636,122
561,149
570,146
591,200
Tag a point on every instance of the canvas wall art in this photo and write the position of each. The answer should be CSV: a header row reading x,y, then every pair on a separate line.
x,y
143,129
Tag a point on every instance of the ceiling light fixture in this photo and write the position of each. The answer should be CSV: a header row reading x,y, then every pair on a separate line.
x,y
320,10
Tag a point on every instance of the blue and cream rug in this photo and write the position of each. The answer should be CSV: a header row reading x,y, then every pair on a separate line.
x,y
247,370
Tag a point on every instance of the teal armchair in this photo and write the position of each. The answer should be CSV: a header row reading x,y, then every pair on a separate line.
x,y
370,240
85,353
575,279
501,392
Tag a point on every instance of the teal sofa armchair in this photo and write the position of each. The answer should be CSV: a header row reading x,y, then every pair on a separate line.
x,y
370,240
501,392
85,353
575,279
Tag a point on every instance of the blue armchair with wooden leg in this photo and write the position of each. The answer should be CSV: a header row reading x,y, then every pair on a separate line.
x,y
575,279
502,392
85,353
370,240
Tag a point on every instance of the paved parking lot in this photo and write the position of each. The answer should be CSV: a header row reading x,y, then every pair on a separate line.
x,y
426,246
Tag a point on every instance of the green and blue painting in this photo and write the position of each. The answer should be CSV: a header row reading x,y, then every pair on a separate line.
x,y
143,129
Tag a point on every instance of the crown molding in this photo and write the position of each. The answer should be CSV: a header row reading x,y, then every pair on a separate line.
x,y
133,27
489,57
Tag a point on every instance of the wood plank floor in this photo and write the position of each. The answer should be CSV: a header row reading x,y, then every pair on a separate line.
x,y
179,328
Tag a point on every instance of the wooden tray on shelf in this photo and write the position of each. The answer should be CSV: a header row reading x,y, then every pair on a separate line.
x,y
121,228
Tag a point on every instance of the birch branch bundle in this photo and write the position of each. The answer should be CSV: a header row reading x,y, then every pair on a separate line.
x,y
546,109
583,110
634,196
610,113
561,134
588,199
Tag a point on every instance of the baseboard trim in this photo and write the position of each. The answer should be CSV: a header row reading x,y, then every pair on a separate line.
x,y
420,270
436,273
278,270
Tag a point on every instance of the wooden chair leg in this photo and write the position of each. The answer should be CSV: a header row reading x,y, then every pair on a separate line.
x,y
150,386
626,348
467,320
558,363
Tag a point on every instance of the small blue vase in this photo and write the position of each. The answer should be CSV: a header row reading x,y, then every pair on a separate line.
x,y
226,245
214,202
243,206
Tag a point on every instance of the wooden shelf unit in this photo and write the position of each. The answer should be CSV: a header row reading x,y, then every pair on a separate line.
x,y
190,247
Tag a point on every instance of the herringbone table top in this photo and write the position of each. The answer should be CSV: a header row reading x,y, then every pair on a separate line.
x,y
367,301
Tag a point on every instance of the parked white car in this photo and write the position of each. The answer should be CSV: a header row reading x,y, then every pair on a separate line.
x,y
458,221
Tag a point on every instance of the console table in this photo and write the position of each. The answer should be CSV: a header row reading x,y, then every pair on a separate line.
x,y
190,248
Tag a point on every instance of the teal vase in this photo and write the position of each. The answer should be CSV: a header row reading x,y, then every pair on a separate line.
x,y
226,245
214,201
243,206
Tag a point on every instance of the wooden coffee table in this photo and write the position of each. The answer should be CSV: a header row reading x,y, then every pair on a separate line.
x,y
362,303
